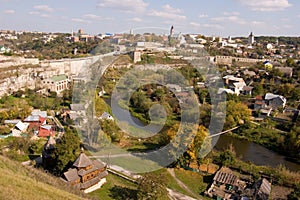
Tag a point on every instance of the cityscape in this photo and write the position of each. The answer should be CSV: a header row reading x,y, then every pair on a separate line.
x,y
159,102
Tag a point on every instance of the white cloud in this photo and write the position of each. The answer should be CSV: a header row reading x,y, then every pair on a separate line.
x,y
257,23
298,16
9,11
136,19
168,8
79,20
95,17
168,12
233,19
34,13
266,5
129,6
91,16
214,26
231,13
166,15
203,16
44,8
194,24
45,15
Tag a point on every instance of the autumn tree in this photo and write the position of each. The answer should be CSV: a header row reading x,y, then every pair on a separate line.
x,y
237,114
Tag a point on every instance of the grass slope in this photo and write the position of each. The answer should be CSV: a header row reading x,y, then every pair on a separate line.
x,y
19,182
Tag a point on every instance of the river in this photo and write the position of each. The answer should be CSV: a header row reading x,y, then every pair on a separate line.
x,y
245,150
255,153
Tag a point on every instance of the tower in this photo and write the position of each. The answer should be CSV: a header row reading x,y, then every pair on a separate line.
x,y
251,39
171,30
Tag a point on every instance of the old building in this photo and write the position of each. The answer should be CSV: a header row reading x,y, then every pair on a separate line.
x,y
57,83
85,174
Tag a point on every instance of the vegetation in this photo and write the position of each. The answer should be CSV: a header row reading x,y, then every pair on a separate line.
x,y
19,182
65,153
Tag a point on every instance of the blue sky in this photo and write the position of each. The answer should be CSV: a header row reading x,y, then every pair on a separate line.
x,y
213,17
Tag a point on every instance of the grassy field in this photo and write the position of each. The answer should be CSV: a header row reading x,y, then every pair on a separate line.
x,y
19,182
115,188
193,180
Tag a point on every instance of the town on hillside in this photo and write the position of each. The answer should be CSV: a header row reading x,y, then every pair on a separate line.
x,y
56,113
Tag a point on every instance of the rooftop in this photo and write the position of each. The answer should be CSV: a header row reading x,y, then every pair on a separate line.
x,y
58,78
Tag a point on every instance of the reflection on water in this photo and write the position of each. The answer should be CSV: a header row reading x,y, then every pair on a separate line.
x,y
257,154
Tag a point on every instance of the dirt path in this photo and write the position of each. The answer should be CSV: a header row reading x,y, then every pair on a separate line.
x,y
181,184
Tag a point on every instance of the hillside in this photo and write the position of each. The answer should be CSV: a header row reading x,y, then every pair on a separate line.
x,y
19,182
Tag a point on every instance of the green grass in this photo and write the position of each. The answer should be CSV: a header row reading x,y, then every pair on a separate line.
x,y
110,188
193,180
19,182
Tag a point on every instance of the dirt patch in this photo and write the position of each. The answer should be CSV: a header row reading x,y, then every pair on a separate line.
x,y
280,193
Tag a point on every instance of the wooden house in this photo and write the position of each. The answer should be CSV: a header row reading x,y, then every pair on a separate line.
x,y
86,174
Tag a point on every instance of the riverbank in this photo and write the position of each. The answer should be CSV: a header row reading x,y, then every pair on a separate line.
x,y
270,138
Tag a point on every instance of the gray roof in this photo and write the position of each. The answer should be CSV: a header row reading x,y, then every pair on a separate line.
x,y
38,112
71,175
82,161
32,118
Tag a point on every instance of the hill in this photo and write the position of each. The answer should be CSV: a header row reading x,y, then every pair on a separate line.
x,y
20,182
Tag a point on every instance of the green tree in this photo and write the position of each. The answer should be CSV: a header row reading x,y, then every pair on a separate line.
x,y
66,151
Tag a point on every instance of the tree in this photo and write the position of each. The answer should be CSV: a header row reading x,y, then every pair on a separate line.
x,y
237,114
152,187
66,151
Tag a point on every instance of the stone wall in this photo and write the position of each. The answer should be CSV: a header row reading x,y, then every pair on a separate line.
x,y
20,73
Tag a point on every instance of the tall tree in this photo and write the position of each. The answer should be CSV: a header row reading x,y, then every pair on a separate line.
x,y
66,151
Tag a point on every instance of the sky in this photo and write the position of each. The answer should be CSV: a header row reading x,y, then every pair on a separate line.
x,y
208,17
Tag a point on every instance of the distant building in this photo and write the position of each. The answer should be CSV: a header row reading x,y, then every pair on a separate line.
x,y
85,174
268,65
57,83
106,116
251,39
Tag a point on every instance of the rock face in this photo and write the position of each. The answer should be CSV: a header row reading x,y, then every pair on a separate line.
x,y
20,73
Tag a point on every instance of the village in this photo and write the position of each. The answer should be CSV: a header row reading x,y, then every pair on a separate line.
x,y
264,83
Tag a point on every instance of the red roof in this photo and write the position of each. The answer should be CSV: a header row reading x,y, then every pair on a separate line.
x,y
45,133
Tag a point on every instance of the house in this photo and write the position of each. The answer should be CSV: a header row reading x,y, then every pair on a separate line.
x,y
275,101
224,90
224,185
234,83
268,65
57,83
85,174
262,189
247,90
46,131
19,128
106,116
35,121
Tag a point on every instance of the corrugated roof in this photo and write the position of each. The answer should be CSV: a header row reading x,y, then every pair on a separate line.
x,y
225,176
